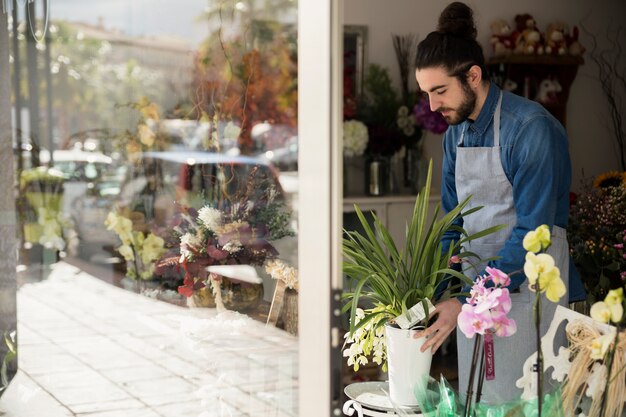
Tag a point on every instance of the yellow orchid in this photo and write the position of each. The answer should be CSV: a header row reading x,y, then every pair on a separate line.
x,y
600,345
536,265
541,268
538,239
552,284
614,297
604,312
127,252
152,248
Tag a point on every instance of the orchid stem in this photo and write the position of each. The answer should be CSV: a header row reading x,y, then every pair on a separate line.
x,y
539,364
481,375
470,385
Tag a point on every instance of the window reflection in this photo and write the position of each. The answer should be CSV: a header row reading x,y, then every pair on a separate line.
x,y
171,147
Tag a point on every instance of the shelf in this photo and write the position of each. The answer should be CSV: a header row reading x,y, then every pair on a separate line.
x,y
528,72
537,60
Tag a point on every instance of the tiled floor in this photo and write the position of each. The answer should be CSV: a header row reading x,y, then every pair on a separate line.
x,y
87,348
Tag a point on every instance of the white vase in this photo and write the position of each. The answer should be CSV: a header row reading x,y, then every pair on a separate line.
x,y
406,364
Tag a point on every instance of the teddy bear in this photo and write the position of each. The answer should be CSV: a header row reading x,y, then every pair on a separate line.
x,y
548,91
527,37
574,47
501,39
556,42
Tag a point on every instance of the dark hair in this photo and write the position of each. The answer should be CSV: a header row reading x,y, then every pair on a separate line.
x,y
453,45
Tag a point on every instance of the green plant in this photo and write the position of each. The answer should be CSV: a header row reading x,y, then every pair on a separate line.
x,y
396,280
11,341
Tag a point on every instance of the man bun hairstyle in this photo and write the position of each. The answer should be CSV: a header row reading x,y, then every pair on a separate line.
x,y
457,19
453,45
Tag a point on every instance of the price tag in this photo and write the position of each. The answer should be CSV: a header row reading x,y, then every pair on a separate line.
x,y
490,364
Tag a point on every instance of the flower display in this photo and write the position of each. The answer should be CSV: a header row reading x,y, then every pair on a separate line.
x,y
484,314
280,270
367,341
543,277
488,306
140,251
599,359
232,232
427,119
41,212
395,281
355,138
597,234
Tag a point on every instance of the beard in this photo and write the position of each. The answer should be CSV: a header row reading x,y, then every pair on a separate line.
x,y
465,109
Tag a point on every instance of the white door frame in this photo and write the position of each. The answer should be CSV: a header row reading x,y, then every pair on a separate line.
x,y
320,195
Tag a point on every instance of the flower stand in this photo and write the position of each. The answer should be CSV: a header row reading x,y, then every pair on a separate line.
x,y
372,399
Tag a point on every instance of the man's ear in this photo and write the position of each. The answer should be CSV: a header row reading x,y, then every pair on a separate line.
x,y
474,76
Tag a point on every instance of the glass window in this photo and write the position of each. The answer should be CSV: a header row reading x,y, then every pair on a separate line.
x,y
158,205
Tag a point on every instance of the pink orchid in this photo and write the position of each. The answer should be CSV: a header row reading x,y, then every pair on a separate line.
x,y
471,323
498,277
503,326
504,301
490,300
477,292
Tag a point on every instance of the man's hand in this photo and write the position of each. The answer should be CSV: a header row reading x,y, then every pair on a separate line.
x,y
446,312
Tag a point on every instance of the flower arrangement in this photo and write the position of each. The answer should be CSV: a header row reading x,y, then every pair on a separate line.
x,y
140,251
230,232
483,316
43,219
543,277
395,281
355,138
599,359
597,233
281,271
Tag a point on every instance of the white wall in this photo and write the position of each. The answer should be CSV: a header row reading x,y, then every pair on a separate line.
x,y
591,147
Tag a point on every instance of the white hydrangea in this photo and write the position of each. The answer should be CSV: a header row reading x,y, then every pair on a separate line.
x,y
233,246
187,242
211,218
355,138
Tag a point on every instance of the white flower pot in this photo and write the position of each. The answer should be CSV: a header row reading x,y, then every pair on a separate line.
x,y
406,364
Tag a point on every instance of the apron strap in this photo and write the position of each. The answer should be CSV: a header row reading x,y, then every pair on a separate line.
x,y
496,123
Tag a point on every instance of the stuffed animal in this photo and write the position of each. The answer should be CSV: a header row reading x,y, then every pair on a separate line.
x,y
574,47
528,38
549,89
501,38
556,43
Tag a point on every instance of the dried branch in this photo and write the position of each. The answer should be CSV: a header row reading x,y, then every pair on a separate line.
x,y
404,45
612,79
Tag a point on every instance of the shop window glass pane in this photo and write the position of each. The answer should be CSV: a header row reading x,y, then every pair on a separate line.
x,y
156,146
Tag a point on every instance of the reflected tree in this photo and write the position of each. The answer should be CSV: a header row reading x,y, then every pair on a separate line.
x,y
246,70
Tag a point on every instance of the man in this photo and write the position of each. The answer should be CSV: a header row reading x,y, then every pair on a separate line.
x,y
512,157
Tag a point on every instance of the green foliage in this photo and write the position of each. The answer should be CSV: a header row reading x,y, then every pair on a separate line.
x,y
381,99
10,339
395,280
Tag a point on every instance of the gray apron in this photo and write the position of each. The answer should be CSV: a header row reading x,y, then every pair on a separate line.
x,y
479,173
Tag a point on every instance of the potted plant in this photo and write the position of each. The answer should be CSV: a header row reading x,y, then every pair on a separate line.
x,y
395,288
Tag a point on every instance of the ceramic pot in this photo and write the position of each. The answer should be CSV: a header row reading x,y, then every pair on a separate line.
x,y
406,364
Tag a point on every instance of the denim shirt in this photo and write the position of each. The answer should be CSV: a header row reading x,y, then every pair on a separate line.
x,y
535,159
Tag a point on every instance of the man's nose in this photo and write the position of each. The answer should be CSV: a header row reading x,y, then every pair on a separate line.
x,y
433,105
